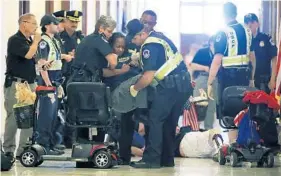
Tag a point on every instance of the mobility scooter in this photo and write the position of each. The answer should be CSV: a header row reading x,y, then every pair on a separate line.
x,y
253,151
88,106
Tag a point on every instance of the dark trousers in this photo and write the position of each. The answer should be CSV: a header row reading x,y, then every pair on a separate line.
x,y
48,108
165,110
126,136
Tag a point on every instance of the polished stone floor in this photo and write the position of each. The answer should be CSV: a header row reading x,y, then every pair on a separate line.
x,y
184,167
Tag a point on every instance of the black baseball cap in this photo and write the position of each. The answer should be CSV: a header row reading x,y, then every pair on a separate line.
x,y
48,19
250,17
134,26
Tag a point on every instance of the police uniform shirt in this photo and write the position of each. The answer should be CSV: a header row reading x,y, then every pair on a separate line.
x,y
92,51
71,42
57,36
204,56
114,81
17,64
221,42
265,50
153,55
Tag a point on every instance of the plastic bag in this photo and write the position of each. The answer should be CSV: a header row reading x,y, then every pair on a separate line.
x,y
24,95
24,108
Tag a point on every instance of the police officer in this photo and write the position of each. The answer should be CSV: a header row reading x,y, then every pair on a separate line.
x,y
233,54
266,54
92,55
20,67
163,68
70,39
49,50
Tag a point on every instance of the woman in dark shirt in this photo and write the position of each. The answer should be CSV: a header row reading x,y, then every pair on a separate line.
x,y
200,67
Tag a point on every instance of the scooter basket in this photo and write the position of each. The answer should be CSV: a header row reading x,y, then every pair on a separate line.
x,y
201,111
24,116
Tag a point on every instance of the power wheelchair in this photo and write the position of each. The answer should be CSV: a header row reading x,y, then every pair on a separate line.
x,y
88,105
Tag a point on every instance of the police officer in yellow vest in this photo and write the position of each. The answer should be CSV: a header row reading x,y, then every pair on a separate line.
x,y
234,62
163,68
49,51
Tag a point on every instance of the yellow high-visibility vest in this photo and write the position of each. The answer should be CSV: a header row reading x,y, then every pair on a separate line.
x,y
54,52
172,59
233,59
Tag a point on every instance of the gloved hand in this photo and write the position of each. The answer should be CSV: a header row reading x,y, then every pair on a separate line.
x,y
60,92
133,92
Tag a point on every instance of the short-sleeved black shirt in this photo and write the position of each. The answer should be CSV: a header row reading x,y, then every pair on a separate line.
x,y
17,64
92,51
221,41
265,50
204,56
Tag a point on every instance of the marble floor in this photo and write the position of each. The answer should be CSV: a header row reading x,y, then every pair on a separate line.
x,y
184,167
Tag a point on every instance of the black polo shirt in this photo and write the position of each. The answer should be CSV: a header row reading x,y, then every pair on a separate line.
x,y
17,64
204,56
265,50
92,51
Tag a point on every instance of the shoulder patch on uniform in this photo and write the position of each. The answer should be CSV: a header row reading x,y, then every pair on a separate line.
x,y
42,44
271,42
218,38
146,53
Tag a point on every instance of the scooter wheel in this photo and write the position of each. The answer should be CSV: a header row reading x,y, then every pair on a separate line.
x,y
233,159
102,159
39,163
29,158
221,158
270,160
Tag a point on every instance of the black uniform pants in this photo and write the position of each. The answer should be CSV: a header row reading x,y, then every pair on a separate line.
x,y
165,110
126,136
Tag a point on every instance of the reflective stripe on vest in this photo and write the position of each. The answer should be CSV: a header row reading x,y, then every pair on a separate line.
x,y
172,59
233,59
54,53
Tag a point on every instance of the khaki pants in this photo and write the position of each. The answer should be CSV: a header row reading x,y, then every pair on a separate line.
x,y
10,132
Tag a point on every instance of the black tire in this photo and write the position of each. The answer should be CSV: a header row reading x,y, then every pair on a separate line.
x,y
221,158
270,160
102,159
29,158
233,159
260,163
39,163
80,164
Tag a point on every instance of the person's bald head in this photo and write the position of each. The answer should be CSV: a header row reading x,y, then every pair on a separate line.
x,y
28,24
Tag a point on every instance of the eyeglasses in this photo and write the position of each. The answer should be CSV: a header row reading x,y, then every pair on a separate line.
x,y
30,23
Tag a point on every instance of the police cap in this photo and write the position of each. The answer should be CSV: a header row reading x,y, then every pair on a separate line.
x,y
60,15
48,19
74,15
250,17
134,26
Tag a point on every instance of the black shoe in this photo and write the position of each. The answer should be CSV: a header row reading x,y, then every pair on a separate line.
x,y
144,165
123,162
134,162
53,152
10,156
59,151
59,147
168,165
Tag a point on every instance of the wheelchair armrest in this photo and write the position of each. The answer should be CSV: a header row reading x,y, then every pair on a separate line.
x,y
108,96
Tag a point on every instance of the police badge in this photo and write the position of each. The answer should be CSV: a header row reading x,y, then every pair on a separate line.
x,y
262,44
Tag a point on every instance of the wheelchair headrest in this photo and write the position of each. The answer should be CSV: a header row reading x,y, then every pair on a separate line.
x,y
232,100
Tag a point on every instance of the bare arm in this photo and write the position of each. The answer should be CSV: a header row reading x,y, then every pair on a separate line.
x,y
198,67
252,58
112,60
32,50
111,72
274,68
215,66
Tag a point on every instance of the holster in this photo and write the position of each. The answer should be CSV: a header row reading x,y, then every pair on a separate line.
x,y
183,82
8,81
83,74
